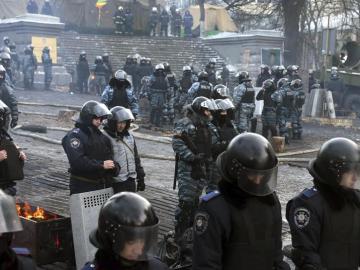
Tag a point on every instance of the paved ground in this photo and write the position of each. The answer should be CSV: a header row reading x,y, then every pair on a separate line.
x,y
159,173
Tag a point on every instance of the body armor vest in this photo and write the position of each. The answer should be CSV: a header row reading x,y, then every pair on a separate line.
x,y
120,98
252,243
299,99
159,85
204,90
268,101
186,83
340,238
289,97
202,140
249,96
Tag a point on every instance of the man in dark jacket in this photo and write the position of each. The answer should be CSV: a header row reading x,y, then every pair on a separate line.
x,y
188,23
46,9
164,23
32,7
90,152
239,226
325,219
83,73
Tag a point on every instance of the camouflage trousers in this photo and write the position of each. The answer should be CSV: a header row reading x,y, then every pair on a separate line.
x,y
48,76
283,119
295,120
243,117
189,193
213,179
158,105
268,119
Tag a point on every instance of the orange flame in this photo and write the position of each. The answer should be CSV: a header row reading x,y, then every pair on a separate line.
x,y
26,211
39,213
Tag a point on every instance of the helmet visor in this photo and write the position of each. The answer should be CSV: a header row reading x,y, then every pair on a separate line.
x,y
225,104
136,243
100,110
123,115
258,182
209,104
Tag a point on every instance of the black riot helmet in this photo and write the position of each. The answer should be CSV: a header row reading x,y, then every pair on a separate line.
x,y
221,91
127,217
98,59
269,85
119,114
250,163
203,76
5,59
243,76
282,82
200,104
167,67
335,157
82,55
93,109
6,41
120,80
105,57
264,69
296,85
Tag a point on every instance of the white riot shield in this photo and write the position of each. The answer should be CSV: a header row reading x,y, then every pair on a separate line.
x,y
84,211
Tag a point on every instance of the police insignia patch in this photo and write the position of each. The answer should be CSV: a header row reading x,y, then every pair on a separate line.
x,y
301,217
75,143
201,222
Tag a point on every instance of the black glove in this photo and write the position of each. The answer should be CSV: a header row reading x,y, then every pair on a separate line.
x,y
199,157
140,185
13,122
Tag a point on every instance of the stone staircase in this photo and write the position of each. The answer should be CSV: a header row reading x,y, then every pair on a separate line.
x,y
177,51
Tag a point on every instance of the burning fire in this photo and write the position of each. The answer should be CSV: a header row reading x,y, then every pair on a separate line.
x,y
26,211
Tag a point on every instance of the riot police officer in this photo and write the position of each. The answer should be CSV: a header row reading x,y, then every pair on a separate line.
x,y
108,65
6,41
9,224
129,21
284,98
325,219
244,101
15,62
185,83
164,23
200,88
158,94
27,68
131,176
171,77
278,73
153,21
263,76
192,145
126,235
47,63
211,71
34,63
119,19
89,151
83,73
268,114
239,226
7,178
120,93
295,111
5,61
8,97
336,85
100,71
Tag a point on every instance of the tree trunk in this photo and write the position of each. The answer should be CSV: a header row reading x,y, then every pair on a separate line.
x,y
292,46
202,16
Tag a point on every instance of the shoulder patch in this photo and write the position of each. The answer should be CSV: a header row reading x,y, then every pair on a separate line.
x,y
309,192
75,143
301,217
201,222
209,196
